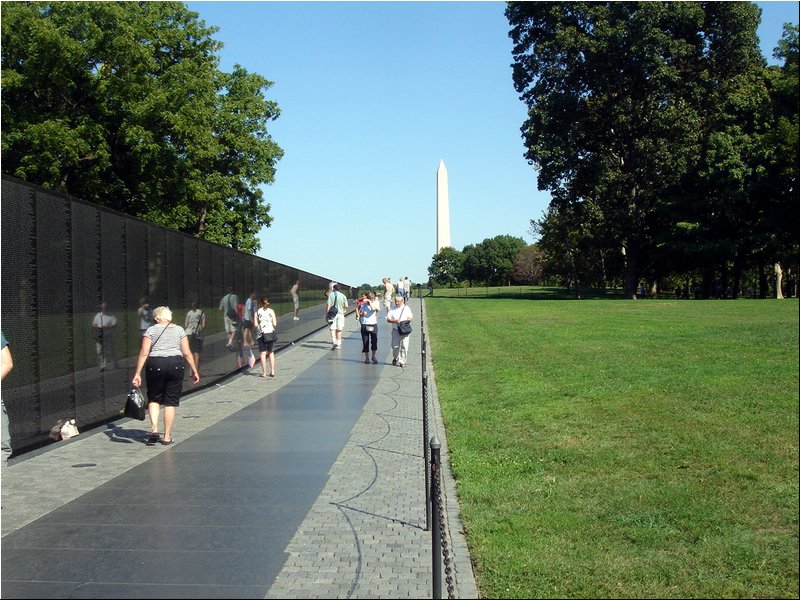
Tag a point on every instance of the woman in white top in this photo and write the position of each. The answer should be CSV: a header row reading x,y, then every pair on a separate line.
x,y
368,317
267,322
400,312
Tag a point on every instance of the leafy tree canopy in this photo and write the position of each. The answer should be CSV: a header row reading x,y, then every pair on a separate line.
x,y
123,104
654,113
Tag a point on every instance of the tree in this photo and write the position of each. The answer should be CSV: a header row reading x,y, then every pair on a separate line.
x,y
446,266
616,95
122,104
529,266
776,186
499,255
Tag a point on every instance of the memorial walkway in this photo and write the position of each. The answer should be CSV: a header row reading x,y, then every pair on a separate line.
x,y
309,485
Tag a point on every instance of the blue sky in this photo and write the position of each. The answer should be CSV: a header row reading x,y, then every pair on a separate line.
x,y
373,95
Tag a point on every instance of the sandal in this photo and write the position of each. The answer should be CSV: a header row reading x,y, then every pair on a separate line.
x,y
152,438
167,442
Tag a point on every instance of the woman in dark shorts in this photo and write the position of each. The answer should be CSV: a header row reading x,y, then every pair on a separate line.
x,y
267,321
165,349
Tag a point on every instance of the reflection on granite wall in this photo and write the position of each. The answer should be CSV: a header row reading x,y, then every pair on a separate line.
x,y
63,258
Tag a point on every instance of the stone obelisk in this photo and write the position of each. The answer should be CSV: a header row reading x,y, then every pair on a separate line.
x,y
442,209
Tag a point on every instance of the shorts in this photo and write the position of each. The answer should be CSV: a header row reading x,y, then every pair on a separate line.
x,y
164,376
230,325
195,344
265,346
338,322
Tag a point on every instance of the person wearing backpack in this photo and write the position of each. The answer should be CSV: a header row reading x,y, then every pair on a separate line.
x,y
335,309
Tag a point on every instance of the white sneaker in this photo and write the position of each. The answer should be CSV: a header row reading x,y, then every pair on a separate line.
x,y
296,319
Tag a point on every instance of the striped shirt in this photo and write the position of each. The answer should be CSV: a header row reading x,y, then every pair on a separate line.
x,y
169,342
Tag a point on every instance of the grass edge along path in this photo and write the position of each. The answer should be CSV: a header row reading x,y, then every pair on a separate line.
x,y
623,449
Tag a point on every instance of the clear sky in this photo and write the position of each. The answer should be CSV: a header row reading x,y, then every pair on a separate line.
x,y
373,95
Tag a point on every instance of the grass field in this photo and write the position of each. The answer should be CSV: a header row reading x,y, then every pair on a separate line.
x,y
623,449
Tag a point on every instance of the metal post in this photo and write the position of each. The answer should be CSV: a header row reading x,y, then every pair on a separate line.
x,y
436,537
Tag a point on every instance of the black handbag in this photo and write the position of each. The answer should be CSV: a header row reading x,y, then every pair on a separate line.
x,y
403,327
271,336
136,405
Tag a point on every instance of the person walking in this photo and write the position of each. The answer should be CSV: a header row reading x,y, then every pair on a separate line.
x,y
338,300
388,290
195,326
104,324
250,307
295,292
406,289
165,350
228,307
368,316
267,323
6,364
400,313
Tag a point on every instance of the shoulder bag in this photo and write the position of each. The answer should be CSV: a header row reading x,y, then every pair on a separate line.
x,y
332,311
403,327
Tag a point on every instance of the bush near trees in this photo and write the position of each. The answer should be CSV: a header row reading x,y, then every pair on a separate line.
x,y
494,261
123,104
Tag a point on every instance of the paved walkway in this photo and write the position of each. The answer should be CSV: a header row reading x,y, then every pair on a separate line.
x,y
310,485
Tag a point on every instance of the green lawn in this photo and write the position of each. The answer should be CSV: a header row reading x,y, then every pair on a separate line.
x,y
616,448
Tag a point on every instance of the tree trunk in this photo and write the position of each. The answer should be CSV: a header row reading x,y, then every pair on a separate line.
x,y
708,283
724,282
201,223
762,280
737,277
631,273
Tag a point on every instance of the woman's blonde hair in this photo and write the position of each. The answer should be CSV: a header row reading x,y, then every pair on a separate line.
x,y
162,313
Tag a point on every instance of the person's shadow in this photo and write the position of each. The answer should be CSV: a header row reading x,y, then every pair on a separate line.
x,y
121,435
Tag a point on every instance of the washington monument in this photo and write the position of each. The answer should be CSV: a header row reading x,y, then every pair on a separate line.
x,y
442,209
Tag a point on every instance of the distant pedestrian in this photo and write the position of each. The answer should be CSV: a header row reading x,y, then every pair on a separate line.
x,y
248,326
401,312
406,289
228,307
195,326
165,350
368,317
388,291
295,292
267,322
339,300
